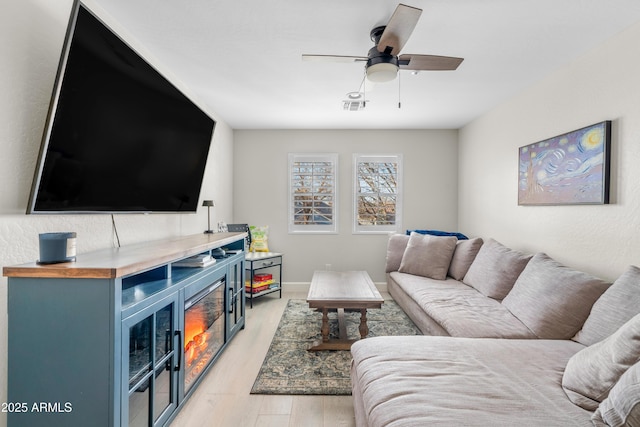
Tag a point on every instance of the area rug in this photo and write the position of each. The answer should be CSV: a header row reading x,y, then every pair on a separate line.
x,y
289,368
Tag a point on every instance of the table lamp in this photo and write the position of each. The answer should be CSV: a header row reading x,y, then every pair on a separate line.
x,y
208,204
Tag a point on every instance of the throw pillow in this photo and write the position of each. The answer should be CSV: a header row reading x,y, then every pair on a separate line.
x,y
593,371
616,306
428,256
495,269
622,407
395,250
552,300
463,256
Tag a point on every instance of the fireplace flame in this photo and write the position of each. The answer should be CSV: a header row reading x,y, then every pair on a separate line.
x,y
194,337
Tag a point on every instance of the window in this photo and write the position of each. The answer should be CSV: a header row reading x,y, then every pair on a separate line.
x,y
377,193
313,193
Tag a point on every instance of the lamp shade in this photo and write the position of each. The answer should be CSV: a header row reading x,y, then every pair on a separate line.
x,y
207,203
382,72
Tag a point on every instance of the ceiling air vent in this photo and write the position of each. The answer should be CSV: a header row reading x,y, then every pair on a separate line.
x,y
353,105
355,102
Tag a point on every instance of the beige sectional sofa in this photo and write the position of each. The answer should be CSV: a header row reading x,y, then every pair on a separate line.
x,y
510,339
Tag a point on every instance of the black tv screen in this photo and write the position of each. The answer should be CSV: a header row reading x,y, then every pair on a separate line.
x,y
119,136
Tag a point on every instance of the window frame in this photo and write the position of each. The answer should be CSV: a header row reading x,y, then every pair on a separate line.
x,y
313,228
377,158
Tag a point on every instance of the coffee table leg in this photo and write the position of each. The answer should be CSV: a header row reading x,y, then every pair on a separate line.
x,y
342,343
325,325
364,329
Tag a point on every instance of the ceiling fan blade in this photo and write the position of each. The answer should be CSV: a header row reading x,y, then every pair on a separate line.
x,y
428,62
399,29
333,58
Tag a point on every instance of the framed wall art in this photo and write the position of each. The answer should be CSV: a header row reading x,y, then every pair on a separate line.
x,y
568,169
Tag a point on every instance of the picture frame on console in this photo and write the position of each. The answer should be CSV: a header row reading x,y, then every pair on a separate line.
x,y
569,169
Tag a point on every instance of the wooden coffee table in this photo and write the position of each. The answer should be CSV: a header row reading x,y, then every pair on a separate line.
x,y
342,290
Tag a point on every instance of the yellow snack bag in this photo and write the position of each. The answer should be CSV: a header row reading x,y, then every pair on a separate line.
x,y
259,238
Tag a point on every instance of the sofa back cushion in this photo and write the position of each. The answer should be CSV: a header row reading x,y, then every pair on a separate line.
x,y
622,407
395,250
553,300
428,255
466,251
613,309
495,269
592,372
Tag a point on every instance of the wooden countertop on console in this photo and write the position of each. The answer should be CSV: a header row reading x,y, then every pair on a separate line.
x,y
118,262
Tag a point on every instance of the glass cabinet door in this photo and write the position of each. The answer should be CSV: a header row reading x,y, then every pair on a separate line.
x,y
150,365
235,298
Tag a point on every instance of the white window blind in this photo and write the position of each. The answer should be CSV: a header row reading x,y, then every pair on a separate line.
x,y
377,193
313,193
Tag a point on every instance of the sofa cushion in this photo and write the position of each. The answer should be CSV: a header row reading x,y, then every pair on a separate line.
x,y
395,250
416,313
622,407
445,381
495,269
461,310
428,256
613,309
553,300
592,372
466,251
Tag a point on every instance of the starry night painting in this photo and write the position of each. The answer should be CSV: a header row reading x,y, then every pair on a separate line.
x,y
568,169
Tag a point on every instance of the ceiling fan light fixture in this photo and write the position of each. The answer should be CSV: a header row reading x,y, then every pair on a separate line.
x,y
382,72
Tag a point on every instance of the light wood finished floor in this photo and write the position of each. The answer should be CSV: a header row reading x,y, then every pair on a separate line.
x,y
223,399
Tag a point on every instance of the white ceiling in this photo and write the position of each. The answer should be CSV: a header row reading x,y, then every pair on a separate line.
x,y
243,58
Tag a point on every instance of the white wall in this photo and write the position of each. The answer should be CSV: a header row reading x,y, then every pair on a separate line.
x,y
261,191
601,85
31,34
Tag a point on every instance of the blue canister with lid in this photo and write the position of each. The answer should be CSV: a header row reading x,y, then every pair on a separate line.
x,y
57,247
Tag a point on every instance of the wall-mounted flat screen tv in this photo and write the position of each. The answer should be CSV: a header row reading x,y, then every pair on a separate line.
x,y
119,136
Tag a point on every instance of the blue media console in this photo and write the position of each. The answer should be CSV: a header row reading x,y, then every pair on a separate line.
x,y
123,336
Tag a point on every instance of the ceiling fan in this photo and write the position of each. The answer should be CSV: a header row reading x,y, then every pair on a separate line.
x,y
383,60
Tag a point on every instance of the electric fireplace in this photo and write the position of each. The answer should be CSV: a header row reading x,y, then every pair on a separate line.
x,y
204,328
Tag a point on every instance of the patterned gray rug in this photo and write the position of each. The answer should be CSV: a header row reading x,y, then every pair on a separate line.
x,y
289,368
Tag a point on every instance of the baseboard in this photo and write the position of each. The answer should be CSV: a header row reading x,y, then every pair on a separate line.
x,y
304,286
